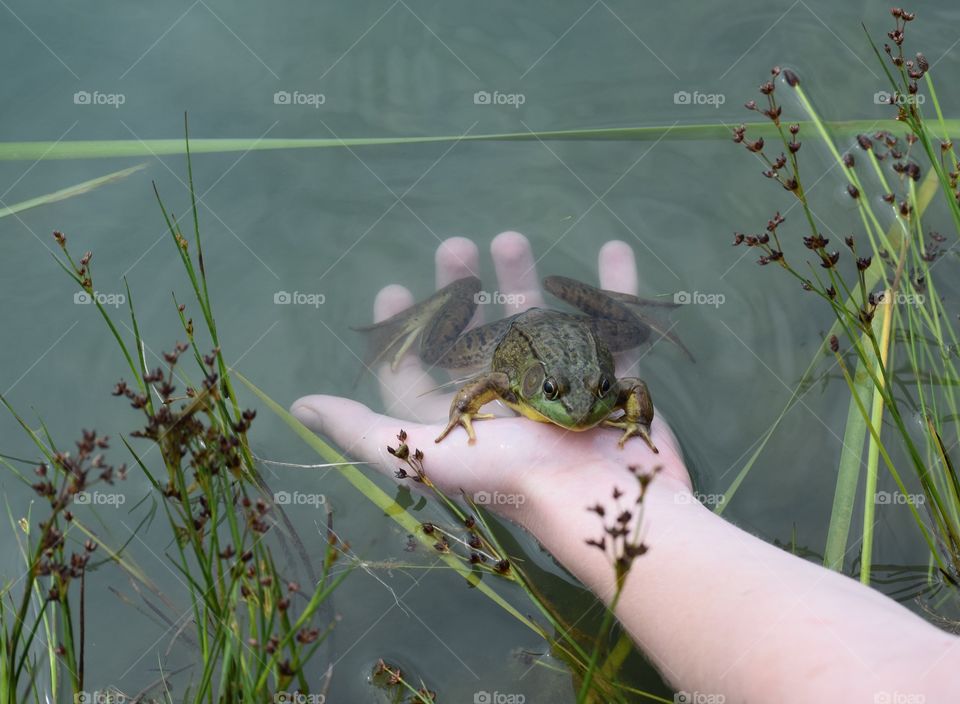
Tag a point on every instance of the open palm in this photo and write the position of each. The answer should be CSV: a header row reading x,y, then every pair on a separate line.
x,y
513,456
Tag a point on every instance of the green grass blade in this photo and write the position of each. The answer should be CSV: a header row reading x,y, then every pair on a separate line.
x,y
70,192
98,149
848,474
873,453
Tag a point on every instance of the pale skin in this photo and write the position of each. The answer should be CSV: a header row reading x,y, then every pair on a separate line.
x,y
717,610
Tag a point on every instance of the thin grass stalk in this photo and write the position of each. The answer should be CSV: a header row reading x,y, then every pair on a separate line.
x,y
873,452
605,626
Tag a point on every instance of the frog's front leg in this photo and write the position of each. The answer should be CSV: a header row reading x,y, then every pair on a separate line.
x,y
634,399
468,401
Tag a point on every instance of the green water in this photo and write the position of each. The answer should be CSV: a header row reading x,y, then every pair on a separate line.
x,y
328,222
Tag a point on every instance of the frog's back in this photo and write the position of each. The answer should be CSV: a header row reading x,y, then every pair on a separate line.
x,y
558,340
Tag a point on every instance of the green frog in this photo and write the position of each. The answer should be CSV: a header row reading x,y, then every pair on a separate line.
x,y
548,365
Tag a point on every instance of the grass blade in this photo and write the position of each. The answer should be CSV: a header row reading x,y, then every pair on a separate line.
x,y
873,452
98,149
70,192
848,475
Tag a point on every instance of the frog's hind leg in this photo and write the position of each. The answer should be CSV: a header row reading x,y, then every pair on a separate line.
x,y
474,348
640,308
621,320
439,318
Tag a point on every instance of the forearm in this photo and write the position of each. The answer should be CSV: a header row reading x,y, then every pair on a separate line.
x,y
718,610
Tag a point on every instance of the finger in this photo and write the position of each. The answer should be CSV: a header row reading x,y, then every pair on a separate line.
x,y
618,268
618,272
516,272
391,300
456,258
401,388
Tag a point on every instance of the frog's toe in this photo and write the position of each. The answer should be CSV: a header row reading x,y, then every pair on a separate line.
x,y
454,422
643,432
466,420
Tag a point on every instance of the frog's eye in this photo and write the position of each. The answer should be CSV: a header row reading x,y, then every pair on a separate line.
x,y
603,387
551,389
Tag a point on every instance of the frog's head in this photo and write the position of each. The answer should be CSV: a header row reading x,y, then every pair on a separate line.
x,y
572,400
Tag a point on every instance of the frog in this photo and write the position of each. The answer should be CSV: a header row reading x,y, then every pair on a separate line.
x,y
548,365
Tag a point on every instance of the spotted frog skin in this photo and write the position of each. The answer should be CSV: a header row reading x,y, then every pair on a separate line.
x,y
548,365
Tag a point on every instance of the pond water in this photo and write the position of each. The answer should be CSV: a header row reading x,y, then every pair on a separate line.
x,y
327,221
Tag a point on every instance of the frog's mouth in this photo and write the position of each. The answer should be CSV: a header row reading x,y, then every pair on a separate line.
x,y
586,423
579,426
573,424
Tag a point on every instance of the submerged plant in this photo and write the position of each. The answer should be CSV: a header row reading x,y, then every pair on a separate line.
x,y
393,680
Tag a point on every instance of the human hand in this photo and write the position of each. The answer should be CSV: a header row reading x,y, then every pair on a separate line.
x,y
514,458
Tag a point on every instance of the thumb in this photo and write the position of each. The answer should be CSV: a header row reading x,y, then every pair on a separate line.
x,y
365,435
357,430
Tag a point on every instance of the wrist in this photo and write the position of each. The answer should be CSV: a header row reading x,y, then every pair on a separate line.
x,y
573,490
561,515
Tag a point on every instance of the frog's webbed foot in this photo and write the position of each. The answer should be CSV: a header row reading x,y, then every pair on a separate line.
x,y
466,420
428,328
634,399
629,430
622,321
466,404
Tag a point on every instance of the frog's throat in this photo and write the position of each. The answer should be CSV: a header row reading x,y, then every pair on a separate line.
x,y
532,413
